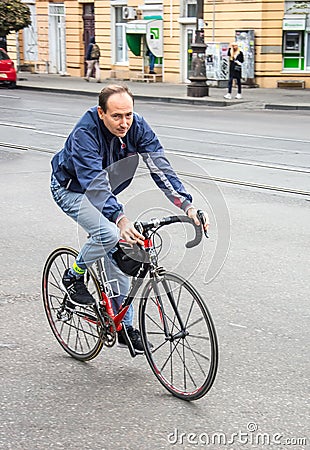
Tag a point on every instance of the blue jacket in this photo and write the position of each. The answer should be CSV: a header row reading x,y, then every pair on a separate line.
x,y
95,162
89,49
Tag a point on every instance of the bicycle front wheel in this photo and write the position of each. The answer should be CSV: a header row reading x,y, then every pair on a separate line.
x,y
77,330
175,320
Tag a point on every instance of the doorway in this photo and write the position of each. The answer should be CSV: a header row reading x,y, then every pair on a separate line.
x,y
89,27
57,39
308,52
188,39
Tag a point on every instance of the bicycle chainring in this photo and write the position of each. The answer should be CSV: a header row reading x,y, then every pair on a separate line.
x,y
108,330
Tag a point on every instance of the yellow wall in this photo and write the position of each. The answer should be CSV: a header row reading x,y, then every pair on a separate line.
x,y
74,38
172,40
265,17
42,30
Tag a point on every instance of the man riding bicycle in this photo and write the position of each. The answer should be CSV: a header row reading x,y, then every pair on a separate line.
x,y
98,161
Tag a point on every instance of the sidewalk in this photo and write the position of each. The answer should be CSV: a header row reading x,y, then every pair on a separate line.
x,y
258,98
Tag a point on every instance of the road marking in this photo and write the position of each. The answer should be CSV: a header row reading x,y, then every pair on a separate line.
x,y
9,96
240,161
17,125
51,134
237,325
231,133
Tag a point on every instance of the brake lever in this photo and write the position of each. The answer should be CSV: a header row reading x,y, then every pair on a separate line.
x,y
138,226
202,220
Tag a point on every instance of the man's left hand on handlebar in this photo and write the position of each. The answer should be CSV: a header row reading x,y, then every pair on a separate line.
x,y
192,214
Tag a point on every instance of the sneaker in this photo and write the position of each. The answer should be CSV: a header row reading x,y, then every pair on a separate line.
x,y
78,292
238,96
228,96
135,338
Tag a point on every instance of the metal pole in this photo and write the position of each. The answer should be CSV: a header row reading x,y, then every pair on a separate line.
x,y
198,77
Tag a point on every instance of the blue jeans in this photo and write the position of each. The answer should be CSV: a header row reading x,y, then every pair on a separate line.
x,y
152,62
103,237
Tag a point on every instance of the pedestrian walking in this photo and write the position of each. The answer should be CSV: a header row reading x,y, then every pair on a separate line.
x,y
92,60
236,59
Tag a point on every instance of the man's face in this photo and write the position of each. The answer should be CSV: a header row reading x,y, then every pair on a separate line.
x,y
119,115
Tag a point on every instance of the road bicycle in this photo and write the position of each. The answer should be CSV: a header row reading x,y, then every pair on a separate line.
x,y
177,330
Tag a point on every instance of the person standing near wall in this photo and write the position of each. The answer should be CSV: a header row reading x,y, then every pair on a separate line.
x,y
151,61
92,60
236,59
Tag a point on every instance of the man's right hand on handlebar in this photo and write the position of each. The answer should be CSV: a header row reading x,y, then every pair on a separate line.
x,y
129,233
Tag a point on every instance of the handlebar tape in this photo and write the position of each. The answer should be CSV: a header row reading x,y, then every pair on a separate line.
x,y
185,219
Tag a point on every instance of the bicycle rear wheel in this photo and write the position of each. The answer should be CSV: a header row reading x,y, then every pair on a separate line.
x,y
174,318
78,331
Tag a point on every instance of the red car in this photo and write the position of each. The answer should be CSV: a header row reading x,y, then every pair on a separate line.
x,y
7,69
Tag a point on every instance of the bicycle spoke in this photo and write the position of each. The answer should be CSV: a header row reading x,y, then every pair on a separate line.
x,y
195,323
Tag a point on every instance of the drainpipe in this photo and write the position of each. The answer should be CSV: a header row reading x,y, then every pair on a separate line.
x,y
17,53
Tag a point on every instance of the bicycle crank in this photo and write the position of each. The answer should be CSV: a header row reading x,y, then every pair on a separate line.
x,y
108,330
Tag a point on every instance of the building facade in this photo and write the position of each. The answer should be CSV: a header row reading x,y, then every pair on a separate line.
x,y
275,37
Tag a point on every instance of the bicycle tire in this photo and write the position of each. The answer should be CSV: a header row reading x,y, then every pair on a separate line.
x,y
78,331
185,364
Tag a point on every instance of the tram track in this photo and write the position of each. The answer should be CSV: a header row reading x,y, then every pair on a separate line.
x,y
205,177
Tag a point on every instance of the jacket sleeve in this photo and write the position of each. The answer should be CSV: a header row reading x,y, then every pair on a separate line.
x,y
92,177
160,169
88,52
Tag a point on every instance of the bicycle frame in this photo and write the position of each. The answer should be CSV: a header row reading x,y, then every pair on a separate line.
x,y
151,267
136,284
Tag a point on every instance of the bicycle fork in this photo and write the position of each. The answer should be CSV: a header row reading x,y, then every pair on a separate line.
x,y
168,330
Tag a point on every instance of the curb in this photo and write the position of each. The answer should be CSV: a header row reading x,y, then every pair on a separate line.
x,y
288,107
180,100
172,100
175,100
57,90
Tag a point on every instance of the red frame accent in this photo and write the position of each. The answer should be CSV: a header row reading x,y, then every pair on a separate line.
x,y
148,243
107,304
117,319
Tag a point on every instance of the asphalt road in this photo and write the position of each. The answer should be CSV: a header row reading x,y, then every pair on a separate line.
x,y
257,293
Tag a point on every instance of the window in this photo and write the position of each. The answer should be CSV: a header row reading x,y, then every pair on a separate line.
x,y
3,56
191,9
121,52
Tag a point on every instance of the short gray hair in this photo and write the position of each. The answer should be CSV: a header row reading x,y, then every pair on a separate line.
x,y
109,90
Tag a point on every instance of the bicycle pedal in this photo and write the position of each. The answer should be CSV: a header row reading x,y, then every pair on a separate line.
x,y
69,305
64,316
